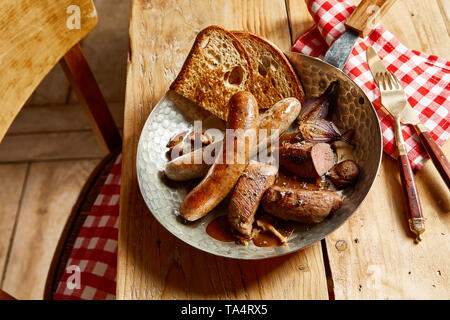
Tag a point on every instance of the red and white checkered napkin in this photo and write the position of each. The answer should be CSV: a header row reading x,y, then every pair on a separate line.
x,y
93,260
425,78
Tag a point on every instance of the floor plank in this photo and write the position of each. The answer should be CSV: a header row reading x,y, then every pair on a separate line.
x,y
58,118
54,89
12,177
50,193
50,146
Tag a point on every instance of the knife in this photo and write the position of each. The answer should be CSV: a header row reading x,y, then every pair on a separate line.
x,y
409,116
361,21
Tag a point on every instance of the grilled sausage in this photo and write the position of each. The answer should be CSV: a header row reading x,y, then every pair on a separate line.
x,y
223,175
305,206
279,117
247,194
307,160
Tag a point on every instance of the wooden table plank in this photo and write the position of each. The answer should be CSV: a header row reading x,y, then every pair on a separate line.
x,y
300,19
152,264
373,256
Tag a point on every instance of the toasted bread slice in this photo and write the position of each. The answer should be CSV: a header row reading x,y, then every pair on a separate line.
x,y
274,79
216,68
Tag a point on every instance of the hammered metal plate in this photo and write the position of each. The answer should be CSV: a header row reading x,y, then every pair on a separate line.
x,y
174,114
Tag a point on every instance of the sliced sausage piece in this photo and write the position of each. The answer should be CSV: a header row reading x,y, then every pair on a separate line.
x,y
304,206
185,168
192,165
308,160
278,117
247,194
230,163
344,174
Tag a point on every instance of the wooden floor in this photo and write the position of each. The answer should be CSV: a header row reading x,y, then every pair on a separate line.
x,y
50,151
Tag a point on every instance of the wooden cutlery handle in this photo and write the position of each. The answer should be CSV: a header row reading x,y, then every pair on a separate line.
x,y
367,14
414,209
436,155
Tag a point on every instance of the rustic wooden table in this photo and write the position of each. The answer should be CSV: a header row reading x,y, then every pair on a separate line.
x,y
372,256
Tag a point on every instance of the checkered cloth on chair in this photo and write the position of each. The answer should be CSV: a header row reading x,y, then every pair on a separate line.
x,y
425,78
90,273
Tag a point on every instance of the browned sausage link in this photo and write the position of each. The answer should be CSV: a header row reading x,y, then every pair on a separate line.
x,y
243,114
247,194
186,168
306,206
279,117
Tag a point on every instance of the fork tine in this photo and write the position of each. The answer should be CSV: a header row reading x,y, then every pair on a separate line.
x,y
376,77
384,84
396,81
380,81
389,80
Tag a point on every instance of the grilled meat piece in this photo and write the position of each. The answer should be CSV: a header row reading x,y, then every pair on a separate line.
x,y
307,160
247,195
344,174
305,206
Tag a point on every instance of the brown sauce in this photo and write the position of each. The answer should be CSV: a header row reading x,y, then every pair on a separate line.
x,y
288,180
220,229
269,239
285,228
266,239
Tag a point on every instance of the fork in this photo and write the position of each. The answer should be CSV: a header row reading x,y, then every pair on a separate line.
x,y
394,100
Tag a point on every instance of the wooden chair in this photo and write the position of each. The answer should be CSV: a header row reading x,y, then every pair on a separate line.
x,y
36,35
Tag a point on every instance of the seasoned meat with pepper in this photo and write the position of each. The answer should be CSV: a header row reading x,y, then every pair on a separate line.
x,y
247,194
344,174
305,206
307,160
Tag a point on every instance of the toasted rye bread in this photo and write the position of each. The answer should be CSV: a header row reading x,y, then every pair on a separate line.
x,y
216,68
274,79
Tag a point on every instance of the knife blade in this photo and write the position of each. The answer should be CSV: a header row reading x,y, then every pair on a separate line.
x,y
338,53
358,24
